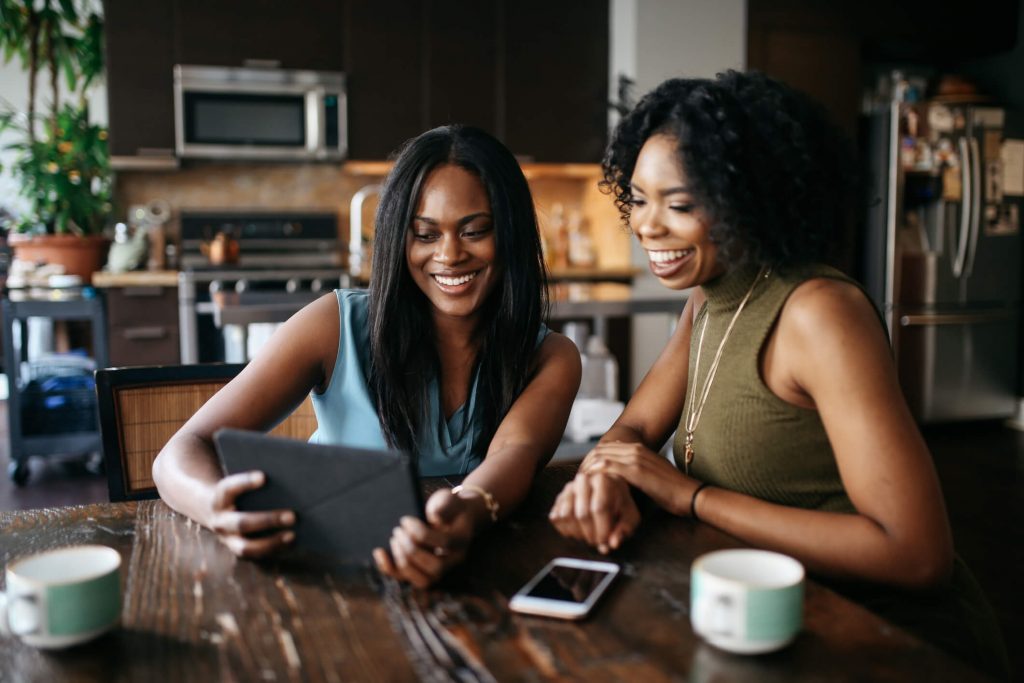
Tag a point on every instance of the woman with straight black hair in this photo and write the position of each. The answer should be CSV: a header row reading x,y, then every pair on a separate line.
x,y
446,357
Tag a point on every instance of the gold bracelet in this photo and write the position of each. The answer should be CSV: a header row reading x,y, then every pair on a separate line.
x,y
489,502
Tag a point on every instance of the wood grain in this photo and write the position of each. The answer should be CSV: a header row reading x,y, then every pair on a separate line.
x,y
193,612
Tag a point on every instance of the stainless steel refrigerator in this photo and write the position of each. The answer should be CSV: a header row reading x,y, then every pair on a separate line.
x,y
942,255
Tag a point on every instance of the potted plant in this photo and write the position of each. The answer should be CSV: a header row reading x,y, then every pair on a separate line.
x,y
61,159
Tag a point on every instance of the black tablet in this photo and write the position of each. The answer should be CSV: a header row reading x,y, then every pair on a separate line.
x,y
346,500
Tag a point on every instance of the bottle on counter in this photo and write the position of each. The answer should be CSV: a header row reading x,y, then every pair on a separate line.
x,y
581,246
558,237
596,406
600,371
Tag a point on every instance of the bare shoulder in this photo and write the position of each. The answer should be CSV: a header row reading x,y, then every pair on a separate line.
x,y
821,307
308,341
558,349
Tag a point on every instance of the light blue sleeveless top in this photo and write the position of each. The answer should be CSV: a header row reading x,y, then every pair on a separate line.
x,y
345,413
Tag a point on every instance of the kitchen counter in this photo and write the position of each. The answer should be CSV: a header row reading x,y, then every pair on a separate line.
x,y
136,278
568,301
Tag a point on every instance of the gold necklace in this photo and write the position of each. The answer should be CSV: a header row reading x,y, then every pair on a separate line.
x,y
696,409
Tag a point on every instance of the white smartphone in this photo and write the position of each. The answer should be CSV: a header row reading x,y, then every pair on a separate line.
x,y
567,588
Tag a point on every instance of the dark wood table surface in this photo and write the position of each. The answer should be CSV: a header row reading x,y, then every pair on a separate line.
x,y
193,612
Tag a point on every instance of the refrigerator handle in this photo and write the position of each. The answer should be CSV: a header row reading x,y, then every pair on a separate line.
x,y
966,200
975,205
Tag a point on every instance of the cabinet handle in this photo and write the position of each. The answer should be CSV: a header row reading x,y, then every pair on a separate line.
x,y
144,333
142,291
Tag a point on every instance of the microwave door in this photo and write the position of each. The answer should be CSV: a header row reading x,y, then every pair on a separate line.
x,y
227,125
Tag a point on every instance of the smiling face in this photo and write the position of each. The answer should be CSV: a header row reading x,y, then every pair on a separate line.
x,y
671,228
450,248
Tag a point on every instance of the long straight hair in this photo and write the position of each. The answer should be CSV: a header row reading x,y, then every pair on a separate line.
x,y
404,355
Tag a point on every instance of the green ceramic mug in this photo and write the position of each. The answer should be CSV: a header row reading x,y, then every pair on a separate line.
x,y
746,601
62,597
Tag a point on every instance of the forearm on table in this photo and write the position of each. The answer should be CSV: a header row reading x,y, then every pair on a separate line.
x,y
833,544
185,473
507,474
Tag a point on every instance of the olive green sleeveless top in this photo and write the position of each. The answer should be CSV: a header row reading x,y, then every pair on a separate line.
x,y
748,439
751,441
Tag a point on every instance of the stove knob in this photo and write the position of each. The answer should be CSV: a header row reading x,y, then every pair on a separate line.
x,y
241,286
292,286
216,286
316,285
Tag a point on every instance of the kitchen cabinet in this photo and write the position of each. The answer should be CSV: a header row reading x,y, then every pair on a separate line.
x,y
140,61
144,40
292,35
384,74
142,325
555,96
533,73
462,64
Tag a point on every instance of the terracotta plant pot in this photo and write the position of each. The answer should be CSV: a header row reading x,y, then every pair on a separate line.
x,y
80,256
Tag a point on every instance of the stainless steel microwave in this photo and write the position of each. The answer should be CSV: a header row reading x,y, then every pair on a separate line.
x,y
259,113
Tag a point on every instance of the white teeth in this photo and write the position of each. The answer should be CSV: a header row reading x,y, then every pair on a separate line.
x,y
667,255
454,281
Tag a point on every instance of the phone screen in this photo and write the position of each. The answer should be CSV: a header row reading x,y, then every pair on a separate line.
x,y
567,584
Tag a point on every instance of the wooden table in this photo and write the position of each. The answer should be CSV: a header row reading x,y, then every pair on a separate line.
x,y
193,612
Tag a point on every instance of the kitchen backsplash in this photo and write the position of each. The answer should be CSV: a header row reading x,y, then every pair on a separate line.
x,y
560,198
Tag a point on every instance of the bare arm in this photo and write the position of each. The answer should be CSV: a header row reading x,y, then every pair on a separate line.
x,y
653,412
524,442
297,358
598,509
832,348
531,431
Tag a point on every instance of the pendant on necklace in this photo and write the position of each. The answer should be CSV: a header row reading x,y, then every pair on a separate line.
x,y
688,452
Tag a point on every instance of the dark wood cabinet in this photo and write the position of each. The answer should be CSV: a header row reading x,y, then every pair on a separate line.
x,y
140,81
142,325
384,71
533,73
293,35
556,79
462,64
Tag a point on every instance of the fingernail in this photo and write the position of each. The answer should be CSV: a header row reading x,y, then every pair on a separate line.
x,y
603,549
256,478
287,518
289,536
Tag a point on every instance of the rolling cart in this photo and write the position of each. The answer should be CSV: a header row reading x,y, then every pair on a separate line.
x,y
52,411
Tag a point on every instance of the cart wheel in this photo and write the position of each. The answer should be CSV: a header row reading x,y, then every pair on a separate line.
x,y
18,472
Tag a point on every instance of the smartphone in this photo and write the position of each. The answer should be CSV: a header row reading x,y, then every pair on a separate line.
x,y
567,588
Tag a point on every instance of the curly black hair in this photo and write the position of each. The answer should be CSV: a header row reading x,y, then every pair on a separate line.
x,y
772,173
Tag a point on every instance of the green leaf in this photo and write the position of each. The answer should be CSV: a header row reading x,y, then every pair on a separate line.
x,y
70,13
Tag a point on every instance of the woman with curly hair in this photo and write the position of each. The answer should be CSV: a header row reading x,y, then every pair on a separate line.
x,y
791,433
446,357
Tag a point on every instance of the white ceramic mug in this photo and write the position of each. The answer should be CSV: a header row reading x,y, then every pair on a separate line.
x,y
62,597
746,601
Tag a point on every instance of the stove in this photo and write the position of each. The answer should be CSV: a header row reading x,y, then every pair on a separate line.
x,y
266,240
291,252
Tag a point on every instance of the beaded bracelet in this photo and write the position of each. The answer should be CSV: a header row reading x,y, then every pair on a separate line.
x,y
693,500
489,502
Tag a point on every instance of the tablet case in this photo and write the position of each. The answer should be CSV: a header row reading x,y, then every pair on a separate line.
x,y
346,500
